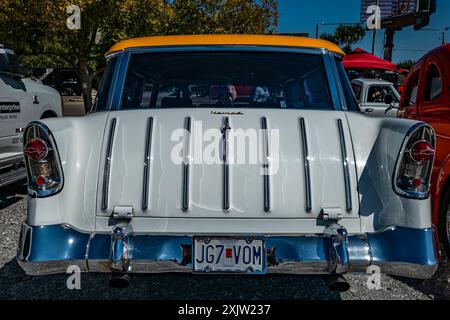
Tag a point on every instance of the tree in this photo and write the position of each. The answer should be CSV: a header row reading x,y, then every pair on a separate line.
x,y
345,36
407,64
38,28
329,37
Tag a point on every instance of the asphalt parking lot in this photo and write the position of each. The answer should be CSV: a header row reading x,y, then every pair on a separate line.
x,y
14,284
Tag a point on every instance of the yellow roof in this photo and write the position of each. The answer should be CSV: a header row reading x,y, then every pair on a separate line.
x,y
261,40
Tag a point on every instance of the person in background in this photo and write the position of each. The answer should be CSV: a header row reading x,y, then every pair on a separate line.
x,y
260,94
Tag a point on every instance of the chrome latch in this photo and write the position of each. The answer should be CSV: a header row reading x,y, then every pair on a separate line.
x,y
123,212
331,214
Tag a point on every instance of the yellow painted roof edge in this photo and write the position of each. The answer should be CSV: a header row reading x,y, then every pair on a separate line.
x,y
257,40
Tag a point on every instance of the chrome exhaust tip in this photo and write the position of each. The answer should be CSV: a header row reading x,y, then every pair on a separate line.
x,y
120,280
336,283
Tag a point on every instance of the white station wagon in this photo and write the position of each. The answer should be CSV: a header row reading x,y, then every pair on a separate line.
x,y
228,154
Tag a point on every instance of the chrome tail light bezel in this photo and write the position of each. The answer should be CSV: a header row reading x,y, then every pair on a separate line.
x,y
404,152
39,130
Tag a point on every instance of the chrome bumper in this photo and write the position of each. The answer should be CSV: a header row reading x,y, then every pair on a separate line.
x,y
12,169
397,251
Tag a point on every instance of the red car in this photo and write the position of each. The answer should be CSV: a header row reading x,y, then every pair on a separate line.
x,y
427,98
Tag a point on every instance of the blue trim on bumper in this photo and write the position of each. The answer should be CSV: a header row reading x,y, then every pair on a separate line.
x,y
399,251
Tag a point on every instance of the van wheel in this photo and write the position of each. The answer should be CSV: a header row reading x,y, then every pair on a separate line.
x,y
444,224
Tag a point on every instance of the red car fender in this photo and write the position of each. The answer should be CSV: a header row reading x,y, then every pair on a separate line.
x,y
439,184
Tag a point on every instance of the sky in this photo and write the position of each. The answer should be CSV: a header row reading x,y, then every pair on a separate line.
x,y
298,16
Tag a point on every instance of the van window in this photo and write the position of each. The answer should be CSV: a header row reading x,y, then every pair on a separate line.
x,y
377,94
357,90
434,83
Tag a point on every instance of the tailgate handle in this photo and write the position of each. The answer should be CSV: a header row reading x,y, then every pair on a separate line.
x,y
331,213
123,212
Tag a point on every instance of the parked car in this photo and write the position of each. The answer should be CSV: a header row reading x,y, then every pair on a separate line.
x,y
427,98
377,98
156,186
22,100
65,80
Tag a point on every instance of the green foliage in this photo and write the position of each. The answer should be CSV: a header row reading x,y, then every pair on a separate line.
x,y
407,64
345,36
329,37
37,30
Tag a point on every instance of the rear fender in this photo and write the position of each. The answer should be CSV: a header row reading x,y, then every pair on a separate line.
x,y
377,143
78,140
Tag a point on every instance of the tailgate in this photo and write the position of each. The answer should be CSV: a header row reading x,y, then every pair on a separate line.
x,y
305,178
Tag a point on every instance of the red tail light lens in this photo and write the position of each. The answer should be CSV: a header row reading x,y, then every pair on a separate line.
x,y
45,176
36,149
422,151
415,162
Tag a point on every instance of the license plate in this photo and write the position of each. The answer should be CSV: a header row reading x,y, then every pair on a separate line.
x,y
229,255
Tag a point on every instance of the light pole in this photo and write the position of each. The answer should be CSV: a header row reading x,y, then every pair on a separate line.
x,y
441,31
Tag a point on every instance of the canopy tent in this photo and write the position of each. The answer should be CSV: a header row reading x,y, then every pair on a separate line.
x,y
360,59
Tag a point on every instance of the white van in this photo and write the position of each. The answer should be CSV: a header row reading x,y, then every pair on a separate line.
x,y
22,99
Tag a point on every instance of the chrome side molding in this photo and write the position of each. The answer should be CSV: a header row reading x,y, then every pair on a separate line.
x,y
306,164
266,164
186,164
107,168
226,166
148,152
345,163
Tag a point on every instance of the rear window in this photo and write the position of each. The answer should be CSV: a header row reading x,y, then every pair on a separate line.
x,y
226,79
101,100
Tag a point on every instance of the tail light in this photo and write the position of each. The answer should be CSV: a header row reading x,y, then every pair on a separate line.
x,y
415,163
45,177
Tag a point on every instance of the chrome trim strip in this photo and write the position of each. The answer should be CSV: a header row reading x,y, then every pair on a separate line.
x,y
147,162
52,248
345,163
107,168
266,164
306,164
226,166
186,164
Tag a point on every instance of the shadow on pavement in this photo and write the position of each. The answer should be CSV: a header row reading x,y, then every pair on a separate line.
x,y
12,193
16,285
437,287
